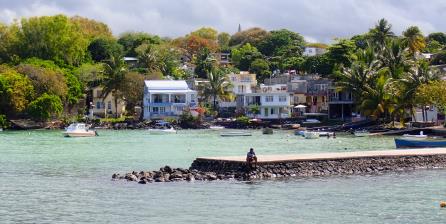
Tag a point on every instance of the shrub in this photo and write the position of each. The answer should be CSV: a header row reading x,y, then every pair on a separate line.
x,y
45,107
3,122
243,120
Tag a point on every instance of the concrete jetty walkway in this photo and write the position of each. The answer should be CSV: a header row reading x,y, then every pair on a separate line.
x,y
333,155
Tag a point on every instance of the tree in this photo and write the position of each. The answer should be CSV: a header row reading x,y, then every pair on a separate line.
x,y
16,91
342,52
45,80
207,33
8,43
91,28
162,58
204,62
131,40
133,89
102,49
414,39
394,58
217,87
243,57
282,43
90,75
223,41
433,93
252,36
114,76
45,107
438,36
381,32
52,38
261,68
295,63
319,64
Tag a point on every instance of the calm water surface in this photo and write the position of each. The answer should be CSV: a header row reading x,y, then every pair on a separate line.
x,y
45,178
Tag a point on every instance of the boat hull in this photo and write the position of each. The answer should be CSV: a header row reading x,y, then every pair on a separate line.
x,y
80,134
234,134
311,135
418,143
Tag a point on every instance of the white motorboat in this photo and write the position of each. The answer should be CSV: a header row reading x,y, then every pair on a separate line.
x,y
361,133
235,133
170,130
311,134
421,135
326,133
311,121
215,127
79,130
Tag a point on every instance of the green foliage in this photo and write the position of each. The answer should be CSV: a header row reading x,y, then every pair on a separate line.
x,y
255,109
223,41
320,64
261,68
217,87
252,36
208,33
204,62
3,121
282,42
16,91
131,40
163,58
53,38
438,36
102,49
186,120
342,52
244,120
45,107
133,89
243,57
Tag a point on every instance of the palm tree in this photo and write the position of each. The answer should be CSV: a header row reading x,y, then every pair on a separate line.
x,y
394,58
414,39
381,32
114,71
218,87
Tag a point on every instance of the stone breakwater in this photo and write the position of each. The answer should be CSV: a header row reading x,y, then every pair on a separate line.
x,y
203,169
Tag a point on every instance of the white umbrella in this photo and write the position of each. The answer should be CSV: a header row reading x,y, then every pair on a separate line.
x,y
300,106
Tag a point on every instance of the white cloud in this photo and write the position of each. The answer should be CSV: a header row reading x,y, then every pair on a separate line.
x,y
317,20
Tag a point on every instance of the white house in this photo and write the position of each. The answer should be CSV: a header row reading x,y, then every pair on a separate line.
x,y
241,83
167,98
274,102
313,51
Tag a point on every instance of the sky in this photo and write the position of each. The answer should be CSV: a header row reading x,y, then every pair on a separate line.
x,y
316,20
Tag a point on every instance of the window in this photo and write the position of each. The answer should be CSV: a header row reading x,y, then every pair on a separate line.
x,y
273,111
192,98
162,109
109,105
155,110
241,89
282,98
98,93
98,105
269,99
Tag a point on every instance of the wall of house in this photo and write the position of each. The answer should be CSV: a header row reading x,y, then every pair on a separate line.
x,y
106,106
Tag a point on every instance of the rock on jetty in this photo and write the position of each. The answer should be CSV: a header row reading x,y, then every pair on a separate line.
x,y
168,174
303,165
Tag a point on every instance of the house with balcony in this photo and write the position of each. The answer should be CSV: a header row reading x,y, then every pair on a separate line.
x,y
340,104
167,98
273,102
241,84
317,95
104,106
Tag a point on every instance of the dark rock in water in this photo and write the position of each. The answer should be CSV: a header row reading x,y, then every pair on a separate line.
x,y
159,179
211,176
190,177
144,181
176,174
167,169
115,176
131,177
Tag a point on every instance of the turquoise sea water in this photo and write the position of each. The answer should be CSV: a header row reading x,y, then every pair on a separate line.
x,y
45,178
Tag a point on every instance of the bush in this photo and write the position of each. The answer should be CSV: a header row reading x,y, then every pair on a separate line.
x,y
45,107
3,122
186,120
243,120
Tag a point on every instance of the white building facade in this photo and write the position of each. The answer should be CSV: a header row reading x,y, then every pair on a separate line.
x,y
167,98
274,102
313,51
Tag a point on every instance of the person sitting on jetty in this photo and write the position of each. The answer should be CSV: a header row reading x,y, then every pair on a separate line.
x,y
251,157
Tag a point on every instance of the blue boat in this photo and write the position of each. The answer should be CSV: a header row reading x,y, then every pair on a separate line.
x,y
419,143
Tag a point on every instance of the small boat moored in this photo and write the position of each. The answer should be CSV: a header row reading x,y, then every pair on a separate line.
x,y
311,134
421,135
267,131
79,130
361,133
419,143
170,130
216,127
235,133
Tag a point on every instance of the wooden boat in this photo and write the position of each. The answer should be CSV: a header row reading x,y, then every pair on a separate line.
x,y
170,130
79,130
311,134
361,133
419,143
235,133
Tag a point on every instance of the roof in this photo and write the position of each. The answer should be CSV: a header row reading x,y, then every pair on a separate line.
x,y
167,86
